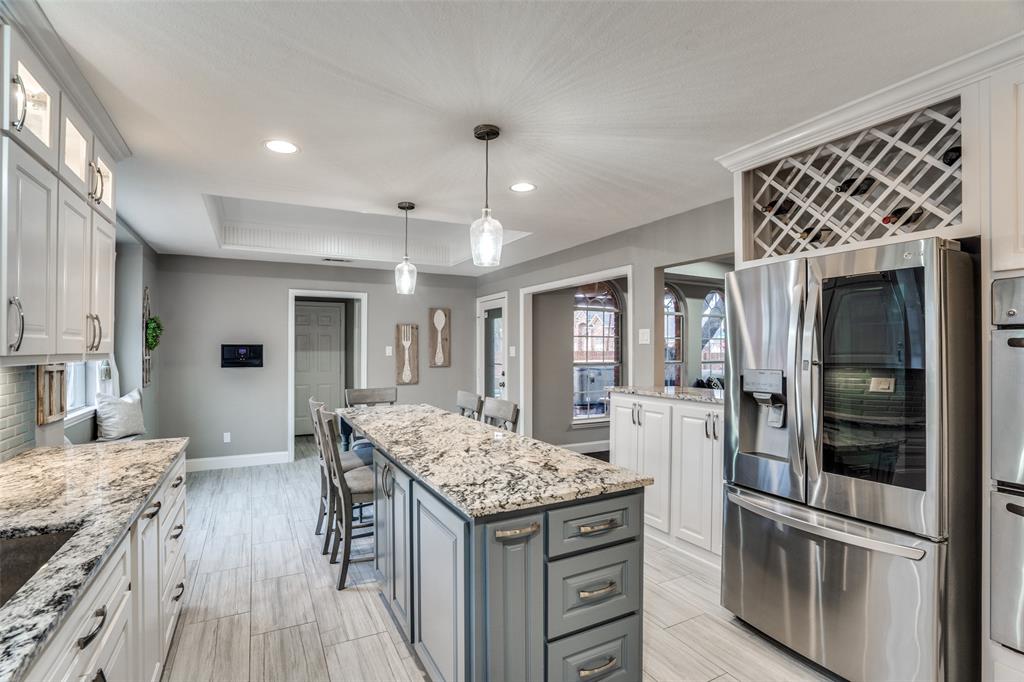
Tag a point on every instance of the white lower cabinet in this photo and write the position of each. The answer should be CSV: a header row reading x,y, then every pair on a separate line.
x,y
679,444
121,627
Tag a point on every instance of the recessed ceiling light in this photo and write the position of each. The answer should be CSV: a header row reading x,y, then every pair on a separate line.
x,y
281,146
523,187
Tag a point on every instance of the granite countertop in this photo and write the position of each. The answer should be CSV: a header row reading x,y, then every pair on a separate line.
x,y
483,470
98,489
697,395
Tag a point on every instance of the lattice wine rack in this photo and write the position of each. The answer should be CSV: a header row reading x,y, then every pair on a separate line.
x,y
899,177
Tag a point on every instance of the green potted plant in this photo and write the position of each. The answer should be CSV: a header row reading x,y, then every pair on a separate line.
x,y
154,328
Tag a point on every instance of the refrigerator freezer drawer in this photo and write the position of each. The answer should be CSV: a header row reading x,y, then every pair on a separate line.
x,y
859,600
1007,569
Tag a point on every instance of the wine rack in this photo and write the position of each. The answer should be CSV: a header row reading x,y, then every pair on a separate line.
x,y
903,176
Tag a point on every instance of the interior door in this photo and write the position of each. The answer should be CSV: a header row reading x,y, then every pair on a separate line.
x,y
103,248
492,377
74,328
319,354
30,223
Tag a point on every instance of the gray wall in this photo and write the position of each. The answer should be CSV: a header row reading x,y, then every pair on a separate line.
x,y
698,234
206,302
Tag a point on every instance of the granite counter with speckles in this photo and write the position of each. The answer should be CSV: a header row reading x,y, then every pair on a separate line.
x,y
699,395
97,490
482,470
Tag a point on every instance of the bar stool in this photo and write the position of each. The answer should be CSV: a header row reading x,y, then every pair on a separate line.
x,y
500,413
365,396
469,404
349,461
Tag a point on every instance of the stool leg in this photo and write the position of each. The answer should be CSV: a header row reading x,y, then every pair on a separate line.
x,y
331,513
346,551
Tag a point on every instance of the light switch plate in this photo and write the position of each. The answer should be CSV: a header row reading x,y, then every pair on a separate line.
x,y
388,351
645,336
227,436
511,351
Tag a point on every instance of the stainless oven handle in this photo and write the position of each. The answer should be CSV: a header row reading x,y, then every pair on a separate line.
x,y
912,553
1015,342
810,379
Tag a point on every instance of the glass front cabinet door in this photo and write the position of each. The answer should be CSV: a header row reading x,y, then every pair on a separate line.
x,y
31,113
76,167
103,190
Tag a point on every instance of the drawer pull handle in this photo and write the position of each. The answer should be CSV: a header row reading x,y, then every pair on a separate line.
x,y
156,510
181,591
178,481
100,676
513,533
180,528
586,673
86,640
600,592
604,526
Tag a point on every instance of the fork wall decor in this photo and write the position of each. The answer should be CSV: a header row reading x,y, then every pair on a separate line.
x,y
407,353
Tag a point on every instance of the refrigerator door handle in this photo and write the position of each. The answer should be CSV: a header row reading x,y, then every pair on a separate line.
x,y
810,379
912,553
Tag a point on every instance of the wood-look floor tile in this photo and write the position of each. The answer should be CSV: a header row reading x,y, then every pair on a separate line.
x,y
667,607
230,522
342,615
213,651
274,559
220,554
383,619
294,653
271,527
663,565
741,654
370,659
219,594
270,505
694,590
279,603
666,659
320,572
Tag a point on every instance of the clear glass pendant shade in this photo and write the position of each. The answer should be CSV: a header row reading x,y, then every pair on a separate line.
x,y
405,277
485,240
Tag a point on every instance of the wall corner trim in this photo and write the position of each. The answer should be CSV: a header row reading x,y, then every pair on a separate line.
x,y
236,461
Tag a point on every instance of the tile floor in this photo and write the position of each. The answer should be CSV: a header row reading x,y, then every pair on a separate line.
x,y
262,604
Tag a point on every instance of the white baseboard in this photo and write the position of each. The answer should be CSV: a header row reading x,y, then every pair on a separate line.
x,y
234,461
588,447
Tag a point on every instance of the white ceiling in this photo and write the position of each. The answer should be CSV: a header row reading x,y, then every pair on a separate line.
x,y
615,110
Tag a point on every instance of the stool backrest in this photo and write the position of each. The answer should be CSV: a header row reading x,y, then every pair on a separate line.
x,y
371,396
330,434
502,413
469,404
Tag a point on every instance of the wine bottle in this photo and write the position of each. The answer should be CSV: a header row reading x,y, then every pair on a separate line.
x,y
862,187
777,207
898,212
951,155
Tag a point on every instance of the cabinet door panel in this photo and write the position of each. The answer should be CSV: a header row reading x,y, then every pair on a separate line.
x,y
623,434
74,332
694,464
717,483
401,507
106,185
102,305
655,424
1007,107
382,556
439,537
30,222
33,99
515,598
146,582
76,153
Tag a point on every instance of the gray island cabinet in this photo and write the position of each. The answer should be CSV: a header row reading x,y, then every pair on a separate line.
x,y
503,558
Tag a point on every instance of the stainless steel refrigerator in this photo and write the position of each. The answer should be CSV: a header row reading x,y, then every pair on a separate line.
x,y
851,459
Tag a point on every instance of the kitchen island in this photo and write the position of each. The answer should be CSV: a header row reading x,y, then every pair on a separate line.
x,y
503,557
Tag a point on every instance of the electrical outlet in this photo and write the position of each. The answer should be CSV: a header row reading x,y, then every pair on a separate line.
x,y
645,336
388,351
227,436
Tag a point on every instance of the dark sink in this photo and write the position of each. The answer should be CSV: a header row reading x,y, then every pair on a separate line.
x,y
21,557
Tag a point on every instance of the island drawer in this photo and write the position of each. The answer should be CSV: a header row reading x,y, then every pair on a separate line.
x,y
174,485
584,527
172,530
610,653
592,588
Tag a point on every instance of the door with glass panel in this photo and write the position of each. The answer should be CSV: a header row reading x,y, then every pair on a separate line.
x,y
33,99
492,346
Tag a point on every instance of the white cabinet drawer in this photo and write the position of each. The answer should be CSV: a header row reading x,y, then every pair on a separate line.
x,y
105,609
170,605
172,540
174,487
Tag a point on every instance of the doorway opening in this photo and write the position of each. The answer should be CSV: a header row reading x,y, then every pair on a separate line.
x,y
326,355
492,345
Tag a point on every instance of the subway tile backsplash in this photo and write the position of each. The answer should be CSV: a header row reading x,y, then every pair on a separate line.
x,y
17,410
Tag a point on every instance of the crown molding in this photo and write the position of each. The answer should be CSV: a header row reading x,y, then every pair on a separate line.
x,y
28,17
918,91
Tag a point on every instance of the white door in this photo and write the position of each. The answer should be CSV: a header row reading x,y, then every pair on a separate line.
x,y
319,359
693,454
492,346
30,224
74,327
654,419
102,273
622,437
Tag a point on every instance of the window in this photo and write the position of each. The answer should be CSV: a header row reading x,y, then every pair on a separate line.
x,y
712,337
84,380
596,349
675,325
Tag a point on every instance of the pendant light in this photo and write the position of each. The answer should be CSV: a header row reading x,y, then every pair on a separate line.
x,y
485,232
405,272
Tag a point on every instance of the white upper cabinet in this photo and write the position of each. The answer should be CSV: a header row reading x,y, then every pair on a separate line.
x,y
29,227
1007,111
75,327
32,105
76,166
102,289
105,187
